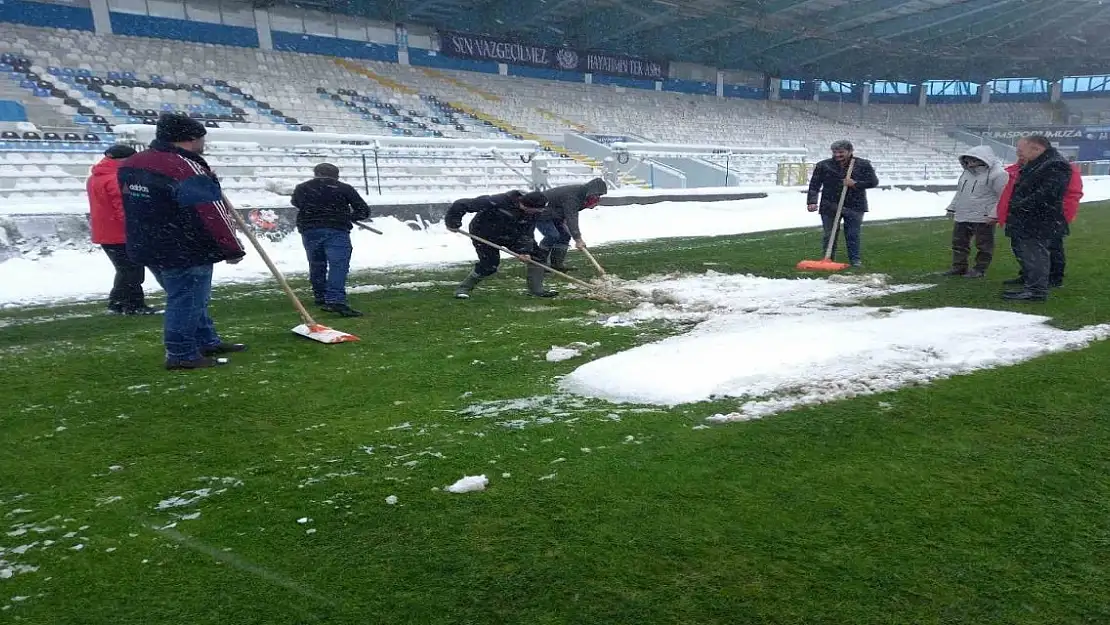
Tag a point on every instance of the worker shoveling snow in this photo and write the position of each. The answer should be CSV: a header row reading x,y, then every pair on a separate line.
x,y
778,344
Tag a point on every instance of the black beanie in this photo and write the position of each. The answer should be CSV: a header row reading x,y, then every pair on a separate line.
x,y
119,151
843,144
534,199
179,128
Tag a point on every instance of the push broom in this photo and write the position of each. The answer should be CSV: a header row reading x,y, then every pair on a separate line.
x,y
310,328
827,263
611,292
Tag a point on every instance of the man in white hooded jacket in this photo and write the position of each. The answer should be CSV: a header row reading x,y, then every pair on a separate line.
x,y
975,210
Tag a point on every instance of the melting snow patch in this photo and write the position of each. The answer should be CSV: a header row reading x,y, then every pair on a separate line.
x,y
468,484
559,354
779,344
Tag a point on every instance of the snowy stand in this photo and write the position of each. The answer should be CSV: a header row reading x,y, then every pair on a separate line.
x,y
706,153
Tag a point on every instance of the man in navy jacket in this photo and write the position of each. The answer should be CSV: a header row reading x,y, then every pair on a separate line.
x,y
179,226
829,177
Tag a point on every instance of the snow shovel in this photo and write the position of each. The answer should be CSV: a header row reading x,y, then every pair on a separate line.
x,y
827,263
365,227
592,287
310,328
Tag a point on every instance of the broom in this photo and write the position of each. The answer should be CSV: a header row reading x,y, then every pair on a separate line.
x,y
310,328
600,270
612,293
827,263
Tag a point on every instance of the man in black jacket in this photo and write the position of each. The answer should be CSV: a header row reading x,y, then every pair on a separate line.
x,y
325,209
1036,213
508,220
559,223
829,176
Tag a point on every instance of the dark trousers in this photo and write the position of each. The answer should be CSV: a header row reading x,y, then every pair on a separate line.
x,y
329,261
1057,261
852,224
489,258
187,326
962,234
1035,261
127,289
554,233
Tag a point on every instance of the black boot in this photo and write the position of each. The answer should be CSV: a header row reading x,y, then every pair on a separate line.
x,y
467,285
535,282
343,310
558,258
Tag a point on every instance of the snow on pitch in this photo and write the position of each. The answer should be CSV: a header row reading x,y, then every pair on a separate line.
x,y
84,274
779,344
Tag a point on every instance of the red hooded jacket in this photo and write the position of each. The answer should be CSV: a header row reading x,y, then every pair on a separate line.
x,y
106,203
1071,197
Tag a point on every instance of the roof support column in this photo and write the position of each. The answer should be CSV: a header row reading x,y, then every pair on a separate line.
x,y
922,95
1056,91
985,93
864,93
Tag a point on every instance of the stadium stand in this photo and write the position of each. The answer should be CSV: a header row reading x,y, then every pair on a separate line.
x,y
73,87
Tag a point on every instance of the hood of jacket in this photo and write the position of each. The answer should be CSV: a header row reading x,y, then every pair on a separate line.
x,y
983,153
596,186
979,188
106,167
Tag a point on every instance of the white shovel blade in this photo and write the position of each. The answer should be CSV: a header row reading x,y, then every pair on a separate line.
x,y
323,334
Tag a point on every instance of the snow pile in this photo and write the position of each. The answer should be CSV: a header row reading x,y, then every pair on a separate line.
x,y
82,274
559,354
779,344
468,484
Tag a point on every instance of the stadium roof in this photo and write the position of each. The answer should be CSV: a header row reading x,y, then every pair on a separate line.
x,y
849,40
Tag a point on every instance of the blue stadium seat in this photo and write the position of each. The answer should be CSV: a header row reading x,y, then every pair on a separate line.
x,y
42,93
114,76
69,71
84,72
129,75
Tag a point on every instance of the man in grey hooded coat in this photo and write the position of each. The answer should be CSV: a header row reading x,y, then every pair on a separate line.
x,y
974,209
559,223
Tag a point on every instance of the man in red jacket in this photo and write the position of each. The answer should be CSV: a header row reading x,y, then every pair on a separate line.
x,y
1057,258
109,232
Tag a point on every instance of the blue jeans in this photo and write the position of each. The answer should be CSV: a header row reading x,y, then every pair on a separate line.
x,y
187,326
852,224
554,233
329,261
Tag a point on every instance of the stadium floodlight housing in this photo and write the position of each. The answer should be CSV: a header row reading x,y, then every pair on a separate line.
x,y
241,137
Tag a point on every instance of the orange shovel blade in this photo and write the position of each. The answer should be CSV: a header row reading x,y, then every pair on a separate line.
x,y
324,334
821,265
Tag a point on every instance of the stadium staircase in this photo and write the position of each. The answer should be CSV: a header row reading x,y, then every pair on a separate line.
x,y
523,133
388,83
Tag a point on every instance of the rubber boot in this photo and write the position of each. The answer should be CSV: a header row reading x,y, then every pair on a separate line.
x,y
467,285
535,282
558,258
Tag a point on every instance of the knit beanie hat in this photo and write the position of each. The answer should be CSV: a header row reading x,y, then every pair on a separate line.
x,y
534,199
179,128
119,151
